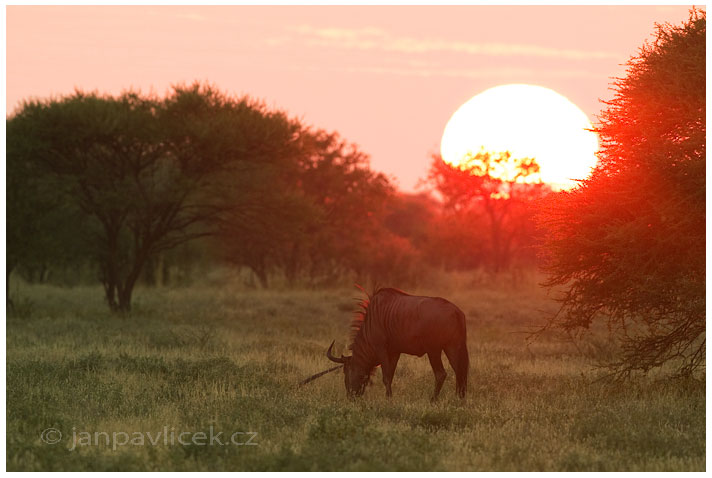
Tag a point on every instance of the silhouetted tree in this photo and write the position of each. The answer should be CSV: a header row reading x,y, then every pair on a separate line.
x,y
150,173
316,217
456,240
628,245
261,233
349,200
495,185
409,216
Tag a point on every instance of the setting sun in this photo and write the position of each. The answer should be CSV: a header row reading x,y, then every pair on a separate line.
x,y
528,121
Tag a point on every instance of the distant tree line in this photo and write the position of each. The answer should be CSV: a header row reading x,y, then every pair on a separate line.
x,y
126,188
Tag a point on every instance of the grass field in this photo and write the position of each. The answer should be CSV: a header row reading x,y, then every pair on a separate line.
x,y
226,359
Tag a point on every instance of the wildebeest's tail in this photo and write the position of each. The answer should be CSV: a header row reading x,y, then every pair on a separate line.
x,y
463,368
462,360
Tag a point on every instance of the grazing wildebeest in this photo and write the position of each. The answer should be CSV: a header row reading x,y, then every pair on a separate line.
x,y
391,323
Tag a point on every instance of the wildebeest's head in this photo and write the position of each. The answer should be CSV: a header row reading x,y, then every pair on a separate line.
x,y
355,376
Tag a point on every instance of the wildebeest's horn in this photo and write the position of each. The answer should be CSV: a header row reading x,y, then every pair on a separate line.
x,y
341,359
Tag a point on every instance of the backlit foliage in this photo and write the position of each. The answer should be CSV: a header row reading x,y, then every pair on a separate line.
x,y
628,245
500,189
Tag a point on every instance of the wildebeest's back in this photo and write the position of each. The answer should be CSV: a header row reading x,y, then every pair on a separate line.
x,y
415,324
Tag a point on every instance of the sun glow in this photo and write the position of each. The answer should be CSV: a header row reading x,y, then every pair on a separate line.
x,y
528,121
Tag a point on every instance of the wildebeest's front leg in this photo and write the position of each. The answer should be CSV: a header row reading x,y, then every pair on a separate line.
x,y
439,371
388,368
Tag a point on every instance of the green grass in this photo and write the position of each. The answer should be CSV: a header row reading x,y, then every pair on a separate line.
x,y
228,358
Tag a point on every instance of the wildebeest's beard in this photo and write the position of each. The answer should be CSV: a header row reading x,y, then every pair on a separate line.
x,y
355,378
357,371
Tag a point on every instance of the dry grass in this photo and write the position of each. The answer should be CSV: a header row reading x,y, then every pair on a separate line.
x,y
228,358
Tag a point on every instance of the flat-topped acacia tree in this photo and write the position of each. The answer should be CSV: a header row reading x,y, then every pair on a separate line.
x,y
149,172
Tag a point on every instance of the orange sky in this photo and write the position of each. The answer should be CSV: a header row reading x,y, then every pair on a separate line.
x,y
386,78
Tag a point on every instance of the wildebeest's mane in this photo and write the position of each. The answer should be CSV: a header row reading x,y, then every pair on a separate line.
x,y
361,315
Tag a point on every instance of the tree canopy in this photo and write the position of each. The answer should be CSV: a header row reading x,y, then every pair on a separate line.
x,y
628,245
148,172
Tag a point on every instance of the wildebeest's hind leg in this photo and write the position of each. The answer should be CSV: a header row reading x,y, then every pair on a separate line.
x,y
439,371
388,368
460,361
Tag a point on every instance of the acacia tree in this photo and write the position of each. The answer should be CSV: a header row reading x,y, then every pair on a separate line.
x,y
349,198
497,186
318,217
628,245
150,173
270,217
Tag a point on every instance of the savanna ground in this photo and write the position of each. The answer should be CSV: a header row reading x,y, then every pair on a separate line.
x,y
230,358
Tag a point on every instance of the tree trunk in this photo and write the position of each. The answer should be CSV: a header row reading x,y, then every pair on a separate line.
x,y
165,272
495,238
110,293
109,267
119,290
124,305
158,270
150,273
9,267
44,273
126,290
292,264
262,276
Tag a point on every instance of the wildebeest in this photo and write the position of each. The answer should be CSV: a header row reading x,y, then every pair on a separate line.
x,y
392,322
